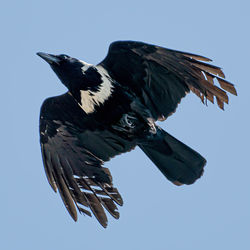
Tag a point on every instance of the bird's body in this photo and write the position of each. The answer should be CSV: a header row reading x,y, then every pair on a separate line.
x,y
110,109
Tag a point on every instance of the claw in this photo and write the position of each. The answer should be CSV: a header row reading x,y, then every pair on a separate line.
x,y
128,120
151,125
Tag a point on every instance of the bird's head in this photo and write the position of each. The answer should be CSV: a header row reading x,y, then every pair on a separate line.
x,y
70,71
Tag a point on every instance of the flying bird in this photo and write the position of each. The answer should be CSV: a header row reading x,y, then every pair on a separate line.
x,y
112,107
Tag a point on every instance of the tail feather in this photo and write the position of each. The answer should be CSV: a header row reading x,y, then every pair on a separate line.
x,y
178,162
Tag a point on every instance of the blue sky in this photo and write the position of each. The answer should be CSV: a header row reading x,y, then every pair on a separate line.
x,y
214,213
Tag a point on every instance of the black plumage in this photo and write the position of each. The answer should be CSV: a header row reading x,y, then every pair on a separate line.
x,y
110,109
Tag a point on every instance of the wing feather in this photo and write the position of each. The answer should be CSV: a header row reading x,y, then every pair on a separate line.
x,y
63,188
162,77
48,168
73,161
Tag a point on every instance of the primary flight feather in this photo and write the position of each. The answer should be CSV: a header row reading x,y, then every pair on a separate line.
x,y
110,109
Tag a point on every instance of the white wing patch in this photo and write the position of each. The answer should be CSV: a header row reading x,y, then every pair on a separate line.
x,y
90,99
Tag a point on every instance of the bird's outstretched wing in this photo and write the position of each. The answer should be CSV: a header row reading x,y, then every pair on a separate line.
x,y
161,77
74,149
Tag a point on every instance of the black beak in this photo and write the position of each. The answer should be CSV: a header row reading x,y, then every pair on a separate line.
x,y
49,58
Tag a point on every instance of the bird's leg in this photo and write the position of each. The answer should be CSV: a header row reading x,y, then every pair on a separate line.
x,y
145,114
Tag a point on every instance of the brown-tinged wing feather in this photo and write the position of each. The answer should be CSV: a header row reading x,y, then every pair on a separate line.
x,y
73,161
162,77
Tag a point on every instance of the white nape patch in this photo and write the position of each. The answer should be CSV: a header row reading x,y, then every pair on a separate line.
x,y
85,66
89,99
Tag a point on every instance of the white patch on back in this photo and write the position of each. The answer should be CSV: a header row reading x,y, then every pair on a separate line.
x,y
89,99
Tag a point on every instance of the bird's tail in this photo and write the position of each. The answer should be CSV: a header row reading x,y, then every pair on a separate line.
x,y
178,162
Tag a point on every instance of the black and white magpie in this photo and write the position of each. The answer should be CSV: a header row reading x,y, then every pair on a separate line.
x,y
110,109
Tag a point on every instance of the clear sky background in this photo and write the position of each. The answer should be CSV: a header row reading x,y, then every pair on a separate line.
x,y
214,213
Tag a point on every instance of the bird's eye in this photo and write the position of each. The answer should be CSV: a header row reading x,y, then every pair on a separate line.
x,y
63,56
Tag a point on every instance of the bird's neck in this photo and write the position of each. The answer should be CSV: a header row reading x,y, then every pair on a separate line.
x,y
89,99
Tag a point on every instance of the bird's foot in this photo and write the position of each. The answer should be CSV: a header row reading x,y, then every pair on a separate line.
x,y
125,124
128,121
